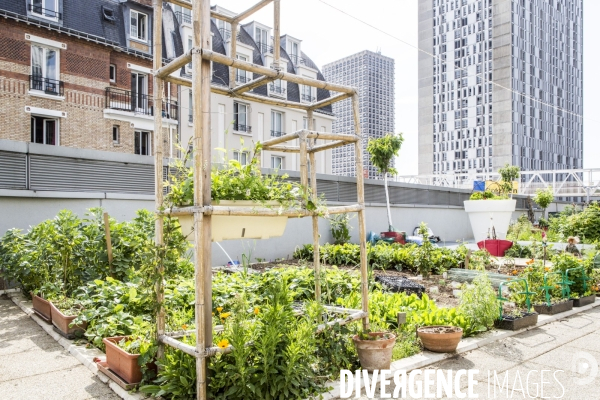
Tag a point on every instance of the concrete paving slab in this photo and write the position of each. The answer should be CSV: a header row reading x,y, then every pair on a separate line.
x,y
564,357
75,383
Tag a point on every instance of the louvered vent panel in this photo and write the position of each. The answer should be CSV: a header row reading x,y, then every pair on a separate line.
x,y
13,170
347,192
374,194
328,188
68,174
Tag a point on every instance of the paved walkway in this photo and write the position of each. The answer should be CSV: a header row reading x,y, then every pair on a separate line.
x,y
571,345
34,366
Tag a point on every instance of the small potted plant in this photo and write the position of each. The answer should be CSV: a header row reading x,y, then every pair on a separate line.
x,y
64,310
440,339
128,356
41,300
237,185
375,349
493,208
520,317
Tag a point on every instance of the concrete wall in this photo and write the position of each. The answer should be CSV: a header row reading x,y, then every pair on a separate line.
x,y
450,223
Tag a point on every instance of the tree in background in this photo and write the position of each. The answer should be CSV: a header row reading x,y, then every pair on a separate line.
x,y
382,151
543,198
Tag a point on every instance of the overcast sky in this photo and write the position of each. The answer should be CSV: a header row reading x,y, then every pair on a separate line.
x,y
328,34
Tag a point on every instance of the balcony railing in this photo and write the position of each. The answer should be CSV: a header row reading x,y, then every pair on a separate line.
x,y
277,90
44,12
46,85
191,118
265,48
183,18
242,78
225,33
307,98
277,133
138,103
296,59
242,128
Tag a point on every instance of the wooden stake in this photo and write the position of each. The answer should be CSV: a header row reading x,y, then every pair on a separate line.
x,y
315,218
158,166
362,230
108,243
277,36
233,53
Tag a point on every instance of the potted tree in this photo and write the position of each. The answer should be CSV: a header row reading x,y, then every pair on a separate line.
x,y
382,151
375,349
238,185
543,198
490,212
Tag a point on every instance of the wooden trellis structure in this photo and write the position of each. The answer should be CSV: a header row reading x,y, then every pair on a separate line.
x,y
201,56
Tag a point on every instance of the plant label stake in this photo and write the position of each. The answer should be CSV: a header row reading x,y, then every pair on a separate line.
x,y
401,318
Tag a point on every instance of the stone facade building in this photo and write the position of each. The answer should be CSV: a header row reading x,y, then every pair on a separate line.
x,y
500,82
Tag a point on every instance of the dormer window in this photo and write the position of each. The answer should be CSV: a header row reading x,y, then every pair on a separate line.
x,y
45,8
139,26
261,36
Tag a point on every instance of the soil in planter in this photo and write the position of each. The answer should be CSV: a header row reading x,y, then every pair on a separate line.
x,y
439,329
554,308
515,323
400,284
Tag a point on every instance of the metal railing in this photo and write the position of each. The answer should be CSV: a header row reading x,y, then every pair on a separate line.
x,y
183,18
307,98
191,118
47,85
242,78
277,90
296,59
139,103
277,133
242,128
264,48
44,12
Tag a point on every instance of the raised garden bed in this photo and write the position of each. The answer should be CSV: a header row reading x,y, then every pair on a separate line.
x,y
584,301
512,323
555,308
121,363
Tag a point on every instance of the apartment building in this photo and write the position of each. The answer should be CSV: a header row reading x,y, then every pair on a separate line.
x,y
77,73
373,75
237,124
500,82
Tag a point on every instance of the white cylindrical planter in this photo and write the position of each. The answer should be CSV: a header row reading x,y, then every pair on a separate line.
x,y
484,214
227,227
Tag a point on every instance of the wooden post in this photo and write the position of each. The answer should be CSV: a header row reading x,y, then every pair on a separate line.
x,y
277,35
158,165
202,166
362,230
108,243
233,53
315,218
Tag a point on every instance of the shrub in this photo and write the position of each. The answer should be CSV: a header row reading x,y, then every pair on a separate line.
x,y
478,302
340,228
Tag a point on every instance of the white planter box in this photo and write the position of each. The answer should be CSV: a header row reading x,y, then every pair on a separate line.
x,y
227,227
484,214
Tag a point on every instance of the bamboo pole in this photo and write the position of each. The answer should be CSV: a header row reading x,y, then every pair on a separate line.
x,y
233,53
263,80
303,160
327,146
284,138
188,4
158,166
315,218
284,149
277,35
331,136
245,14
176,64
362,231
343,321
259,69
330,100
108,243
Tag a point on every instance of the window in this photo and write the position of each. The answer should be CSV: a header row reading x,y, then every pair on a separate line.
x,y
240,115
276,123
45,8
190,46
142,143
276,162
139,92
240,74
190,108
260,35
45,70
115,134
294,52
112,73
139,26
243,157
44,130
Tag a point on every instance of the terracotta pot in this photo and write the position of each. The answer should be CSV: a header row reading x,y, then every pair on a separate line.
x,y
121,362
42,307
375,354
62,322
440,339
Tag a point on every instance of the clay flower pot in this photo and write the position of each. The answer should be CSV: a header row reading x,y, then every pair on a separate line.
x,y
62,322
42,307
375,354
122,363
440,339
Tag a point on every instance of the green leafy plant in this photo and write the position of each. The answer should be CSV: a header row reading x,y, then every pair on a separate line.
x,y
382,151
340,228
478,302
485,195
544,198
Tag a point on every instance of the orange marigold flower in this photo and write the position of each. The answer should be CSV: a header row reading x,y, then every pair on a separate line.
x,y
547,269
256,310
219,309
225,315
184,327
223,343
